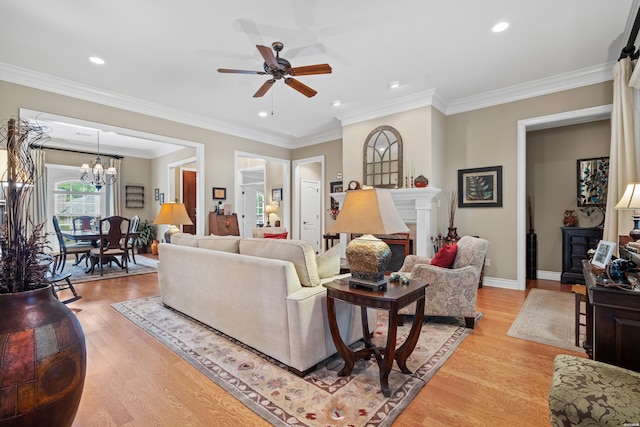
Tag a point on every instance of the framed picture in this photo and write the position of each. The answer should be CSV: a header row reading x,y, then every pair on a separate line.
x,y
219,193
335,187
161,198
480,187
276,194
593,177
157,194
603,254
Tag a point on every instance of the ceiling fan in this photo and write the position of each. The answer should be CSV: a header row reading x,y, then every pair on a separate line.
x,y
278,68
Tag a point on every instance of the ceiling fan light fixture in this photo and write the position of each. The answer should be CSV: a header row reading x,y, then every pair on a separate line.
x,y
263,114
500,27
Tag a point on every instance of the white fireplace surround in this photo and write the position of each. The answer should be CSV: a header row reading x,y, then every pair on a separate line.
x,y
414,206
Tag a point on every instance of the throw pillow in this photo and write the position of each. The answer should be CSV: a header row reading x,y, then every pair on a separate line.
x,y
445,256
276,236
329,263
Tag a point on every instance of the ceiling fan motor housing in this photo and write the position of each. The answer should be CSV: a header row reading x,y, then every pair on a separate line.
x,y
281,71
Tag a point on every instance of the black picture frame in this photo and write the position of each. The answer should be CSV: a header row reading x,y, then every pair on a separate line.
x,y
276,194
157,194
592,179
480,187
335,187
219,193
161,198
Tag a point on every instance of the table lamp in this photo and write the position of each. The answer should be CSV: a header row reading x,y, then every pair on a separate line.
x,y
369,211
269,209
631,201
172,214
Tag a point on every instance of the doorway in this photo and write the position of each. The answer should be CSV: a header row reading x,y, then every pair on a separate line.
x,y
189,198
310,200
308,169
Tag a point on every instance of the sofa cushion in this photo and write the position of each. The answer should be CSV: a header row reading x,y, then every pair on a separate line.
x,y
298,252
220,243
329,263
445,256
276,236
184,239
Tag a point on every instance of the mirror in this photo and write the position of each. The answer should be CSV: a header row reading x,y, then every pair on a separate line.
x,y
383,158
593,175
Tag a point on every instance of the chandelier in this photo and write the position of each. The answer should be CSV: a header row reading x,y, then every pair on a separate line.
x,y
94,173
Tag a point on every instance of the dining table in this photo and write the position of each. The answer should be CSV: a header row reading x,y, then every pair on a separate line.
x,y
93,236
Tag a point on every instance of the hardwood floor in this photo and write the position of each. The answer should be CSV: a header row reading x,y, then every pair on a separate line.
x,y
133,380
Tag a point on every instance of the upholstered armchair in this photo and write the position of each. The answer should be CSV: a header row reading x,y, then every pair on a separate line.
x,y
452,292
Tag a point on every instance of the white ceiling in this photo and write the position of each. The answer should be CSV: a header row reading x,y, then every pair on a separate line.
x,y
162,56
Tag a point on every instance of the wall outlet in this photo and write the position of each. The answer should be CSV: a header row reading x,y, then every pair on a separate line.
x,y
487,262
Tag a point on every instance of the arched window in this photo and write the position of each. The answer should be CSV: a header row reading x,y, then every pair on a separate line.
x,y
383,158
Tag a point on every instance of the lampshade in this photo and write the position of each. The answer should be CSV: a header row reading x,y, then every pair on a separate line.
x,y
172,214
631,201
368,212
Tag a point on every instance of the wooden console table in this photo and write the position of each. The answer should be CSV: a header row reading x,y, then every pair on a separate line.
x,y
392,299
223,225
613,323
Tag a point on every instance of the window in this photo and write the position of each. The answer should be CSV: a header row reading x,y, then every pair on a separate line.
x,y
383,158
259,208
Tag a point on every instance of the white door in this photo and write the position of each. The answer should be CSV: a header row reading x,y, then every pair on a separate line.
x,y
310,212
249,210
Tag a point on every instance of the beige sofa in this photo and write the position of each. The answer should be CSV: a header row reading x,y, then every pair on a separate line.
x,y
266,293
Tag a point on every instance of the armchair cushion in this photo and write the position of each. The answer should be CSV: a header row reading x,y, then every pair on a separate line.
x,y
411,260
445,256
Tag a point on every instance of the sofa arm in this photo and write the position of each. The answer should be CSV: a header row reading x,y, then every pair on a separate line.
x,y
451,292
411,260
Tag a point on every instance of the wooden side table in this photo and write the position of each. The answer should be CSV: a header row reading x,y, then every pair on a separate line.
x,y
392,299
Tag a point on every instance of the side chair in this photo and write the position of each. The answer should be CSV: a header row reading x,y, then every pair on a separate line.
x,y
80,250
113,243
135,222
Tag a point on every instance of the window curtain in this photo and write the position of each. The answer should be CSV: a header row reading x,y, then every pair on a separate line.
x,y
622,157
114,195
38,205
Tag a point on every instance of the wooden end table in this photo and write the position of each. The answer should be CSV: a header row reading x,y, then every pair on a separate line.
x,y
396,296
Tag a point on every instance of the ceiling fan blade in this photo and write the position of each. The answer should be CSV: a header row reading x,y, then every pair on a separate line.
x,y
268,56
264,88
310,69
300,87
226,70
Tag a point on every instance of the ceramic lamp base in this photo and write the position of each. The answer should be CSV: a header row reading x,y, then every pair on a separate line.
x,y
368,258
171,230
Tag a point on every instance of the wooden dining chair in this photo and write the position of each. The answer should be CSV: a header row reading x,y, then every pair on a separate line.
x,y
59,281
135,222
81,223
80,250
113,243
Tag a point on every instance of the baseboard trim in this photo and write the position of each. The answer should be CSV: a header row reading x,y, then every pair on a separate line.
x,y
495,282
548,275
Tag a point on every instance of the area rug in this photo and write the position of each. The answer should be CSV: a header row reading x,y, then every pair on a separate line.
x,y
143,265
547,317
321,398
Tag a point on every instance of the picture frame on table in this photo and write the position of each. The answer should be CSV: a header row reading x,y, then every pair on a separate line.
x,y
480,187
219,193
335,187
276,194
604,253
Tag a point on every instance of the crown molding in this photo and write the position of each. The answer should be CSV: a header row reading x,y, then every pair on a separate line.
x,y
584,77
25,77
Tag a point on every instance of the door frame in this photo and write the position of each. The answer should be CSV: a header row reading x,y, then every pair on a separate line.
x,y
295,199
319,233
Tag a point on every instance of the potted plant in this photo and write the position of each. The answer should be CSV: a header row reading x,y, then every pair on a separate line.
x,y
148,231
43,351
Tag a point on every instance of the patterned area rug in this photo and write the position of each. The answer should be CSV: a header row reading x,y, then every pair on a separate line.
x,y
322,398
143,265
548,317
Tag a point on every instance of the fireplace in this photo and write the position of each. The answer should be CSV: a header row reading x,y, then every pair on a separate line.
x,y
414,206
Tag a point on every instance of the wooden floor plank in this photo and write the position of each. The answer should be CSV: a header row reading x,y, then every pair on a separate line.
x,y
133,380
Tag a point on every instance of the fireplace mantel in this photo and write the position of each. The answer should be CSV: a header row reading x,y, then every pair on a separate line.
x,y
414,206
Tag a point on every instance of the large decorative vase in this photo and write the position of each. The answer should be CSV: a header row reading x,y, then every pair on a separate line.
x,y
532,255
43,360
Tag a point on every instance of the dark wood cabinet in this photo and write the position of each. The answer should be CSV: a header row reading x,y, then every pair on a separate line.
x,y
223,225
613,323
576,241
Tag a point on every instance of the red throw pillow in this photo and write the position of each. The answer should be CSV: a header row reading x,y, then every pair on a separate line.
x,y
276,236
445,256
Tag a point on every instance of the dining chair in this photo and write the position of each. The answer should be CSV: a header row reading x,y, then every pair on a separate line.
x,y
114,242
52,276
80,250
81,223
135,222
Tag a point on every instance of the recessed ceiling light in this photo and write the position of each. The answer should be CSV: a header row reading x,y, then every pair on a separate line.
x,y
263,114
96,60
336,103
500,26
394,84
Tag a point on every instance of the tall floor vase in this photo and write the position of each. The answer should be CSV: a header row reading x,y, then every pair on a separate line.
x,y
42,360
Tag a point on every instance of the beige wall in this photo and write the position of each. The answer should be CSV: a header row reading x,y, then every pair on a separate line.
x,y
552,181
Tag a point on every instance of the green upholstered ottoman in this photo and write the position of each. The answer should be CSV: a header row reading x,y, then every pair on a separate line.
x,y
588,393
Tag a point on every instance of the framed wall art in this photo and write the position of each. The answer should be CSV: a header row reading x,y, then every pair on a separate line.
x,y
219,193
335,187
157,194
480,187
276,194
